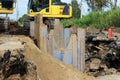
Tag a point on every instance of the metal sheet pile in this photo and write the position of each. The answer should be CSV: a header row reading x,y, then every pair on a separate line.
x,y
102,54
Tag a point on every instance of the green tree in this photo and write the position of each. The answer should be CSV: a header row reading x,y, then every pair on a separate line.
x,y
56,0
21,20
76,9
113,4
98,5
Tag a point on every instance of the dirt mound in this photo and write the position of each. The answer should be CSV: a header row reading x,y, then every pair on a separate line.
x,y
48,68
109,77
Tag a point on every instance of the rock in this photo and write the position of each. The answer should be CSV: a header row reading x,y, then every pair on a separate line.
x,y
109,77
95,64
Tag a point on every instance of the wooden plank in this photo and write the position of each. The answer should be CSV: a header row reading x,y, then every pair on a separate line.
x,y
67,34
81,49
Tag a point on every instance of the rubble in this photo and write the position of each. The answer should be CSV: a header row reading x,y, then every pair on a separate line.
x,y
102,54
14,66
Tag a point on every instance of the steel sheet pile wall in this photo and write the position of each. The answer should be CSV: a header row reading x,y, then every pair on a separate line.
x,y
64,44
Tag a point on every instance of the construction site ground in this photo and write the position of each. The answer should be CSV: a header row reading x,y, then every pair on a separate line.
x,y
49,68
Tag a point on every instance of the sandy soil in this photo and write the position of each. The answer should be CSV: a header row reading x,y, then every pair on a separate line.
x,y
48,68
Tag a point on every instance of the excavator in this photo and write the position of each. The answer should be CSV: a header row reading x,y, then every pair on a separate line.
x,y
6,7
49,9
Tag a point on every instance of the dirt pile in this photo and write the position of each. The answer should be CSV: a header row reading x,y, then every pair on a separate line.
x,y
109,77
13,65
48,68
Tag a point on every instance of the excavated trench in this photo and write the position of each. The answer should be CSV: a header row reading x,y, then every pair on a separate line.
x,y
47,67
102,58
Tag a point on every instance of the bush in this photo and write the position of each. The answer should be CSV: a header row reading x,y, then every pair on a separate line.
x,y
96,19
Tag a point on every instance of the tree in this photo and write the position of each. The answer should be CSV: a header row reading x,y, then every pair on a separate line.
x,y
113,4
56,0
97,5
76,10
21,20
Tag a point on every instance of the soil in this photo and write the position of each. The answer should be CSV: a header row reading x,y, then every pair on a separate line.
x,y
48,68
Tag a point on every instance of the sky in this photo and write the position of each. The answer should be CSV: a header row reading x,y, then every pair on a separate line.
x,y
22,8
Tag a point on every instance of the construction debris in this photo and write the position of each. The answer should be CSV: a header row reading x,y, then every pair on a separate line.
x,y
13,64
24,61
102,54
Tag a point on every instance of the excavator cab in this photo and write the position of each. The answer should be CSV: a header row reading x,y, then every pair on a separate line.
x,y
49,9
6,6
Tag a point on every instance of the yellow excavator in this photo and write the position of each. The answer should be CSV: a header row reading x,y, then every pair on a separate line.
x,y
6,6
49,8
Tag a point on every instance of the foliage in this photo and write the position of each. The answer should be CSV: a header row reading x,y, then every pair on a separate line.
x,y
21,20
76,10
114,17
56,0
96,19
97,5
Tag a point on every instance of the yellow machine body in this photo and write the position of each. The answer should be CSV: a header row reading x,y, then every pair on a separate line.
x,y
52,10
6,6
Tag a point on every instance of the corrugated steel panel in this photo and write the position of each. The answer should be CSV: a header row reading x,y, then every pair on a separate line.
x,y
67,58
81,49
57,54
67,34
